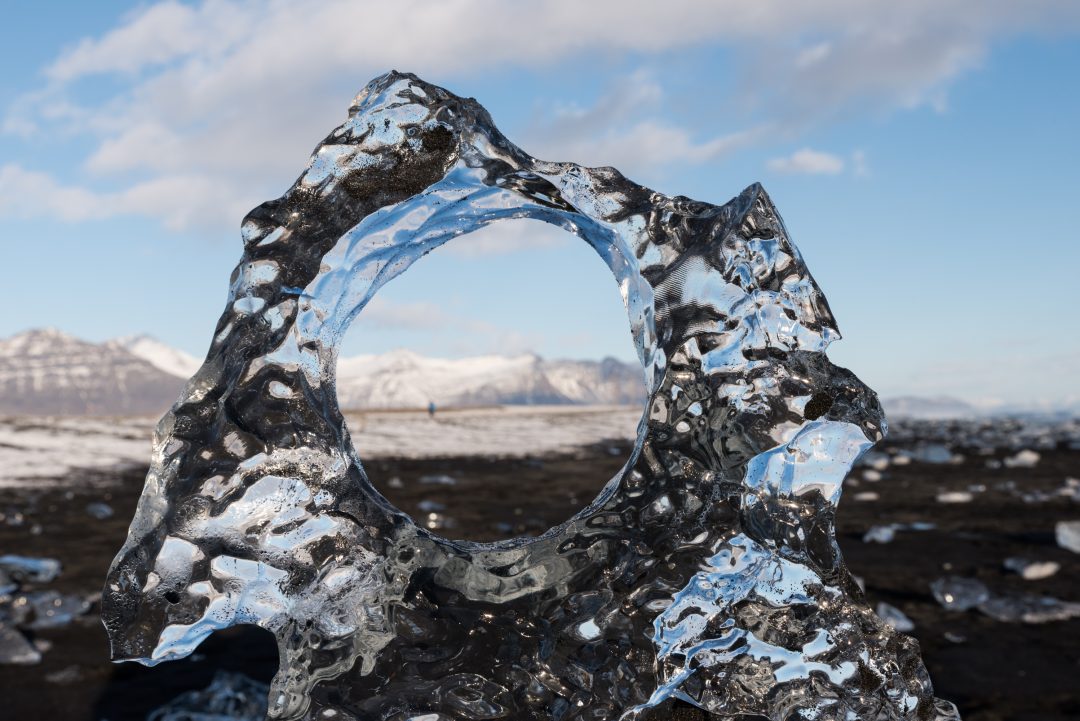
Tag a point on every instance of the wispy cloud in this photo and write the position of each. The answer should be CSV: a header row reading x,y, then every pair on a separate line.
x,y
204,90
429,327
808,162
509,236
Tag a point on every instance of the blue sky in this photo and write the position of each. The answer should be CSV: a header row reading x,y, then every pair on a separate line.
x,y
924,156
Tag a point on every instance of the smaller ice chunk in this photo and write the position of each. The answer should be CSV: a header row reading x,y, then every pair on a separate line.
x,y
47,609
880,534
1026,458
66,675
34,570
1032,570
439,479
895,617
15,649
1068,535
959,594
1029,609
875,460
99,510
932,453
229,697
866,496
954,497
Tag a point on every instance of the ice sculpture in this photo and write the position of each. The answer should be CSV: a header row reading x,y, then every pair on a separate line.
x,y
705,571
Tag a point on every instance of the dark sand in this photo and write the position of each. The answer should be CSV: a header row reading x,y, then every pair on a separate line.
x,y
994,671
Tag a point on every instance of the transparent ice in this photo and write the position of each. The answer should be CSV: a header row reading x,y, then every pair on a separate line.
x,y
1032,570
34,570
895,617
705,571
955,593
1067,534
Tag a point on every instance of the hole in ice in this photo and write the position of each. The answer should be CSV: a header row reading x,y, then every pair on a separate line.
x,y
493,388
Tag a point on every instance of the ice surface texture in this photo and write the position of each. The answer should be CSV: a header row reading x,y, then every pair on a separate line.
x,y
706,570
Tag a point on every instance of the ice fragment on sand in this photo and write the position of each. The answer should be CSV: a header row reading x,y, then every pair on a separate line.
x,y
707,569
931,453
66,675
880,534
15,648
959,594
1032,570
229,697
1026,458
99,510
439,479
1029,609
895,617
34,570
1067,534
954,497
48,609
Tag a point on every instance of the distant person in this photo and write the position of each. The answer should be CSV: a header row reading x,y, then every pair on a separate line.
x,y
431,409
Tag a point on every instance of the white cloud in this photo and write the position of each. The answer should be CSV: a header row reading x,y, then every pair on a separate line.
x,y
385,315
808,162
509,236
431,328
27,194
221,100
621,130
178,201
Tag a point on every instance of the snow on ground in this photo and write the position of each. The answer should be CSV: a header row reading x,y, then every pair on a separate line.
x,y
37,451
47,450
500,431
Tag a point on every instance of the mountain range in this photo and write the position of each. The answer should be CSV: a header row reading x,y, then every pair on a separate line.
x,y
49,372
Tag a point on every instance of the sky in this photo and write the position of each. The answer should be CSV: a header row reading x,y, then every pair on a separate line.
x,y
924,156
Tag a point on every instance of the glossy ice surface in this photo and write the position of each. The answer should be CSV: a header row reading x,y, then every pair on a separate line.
x,y
706,570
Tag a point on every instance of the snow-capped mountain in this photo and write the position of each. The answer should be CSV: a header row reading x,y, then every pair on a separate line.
x,y
48,372
403,379
172,361
52,373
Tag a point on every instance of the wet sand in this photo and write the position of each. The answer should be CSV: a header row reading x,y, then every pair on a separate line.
x,y
994,671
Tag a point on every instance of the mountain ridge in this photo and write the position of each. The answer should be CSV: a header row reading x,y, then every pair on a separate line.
x,y
49,372
46,371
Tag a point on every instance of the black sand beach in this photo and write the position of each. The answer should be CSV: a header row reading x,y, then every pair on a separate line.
x,y
993,670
